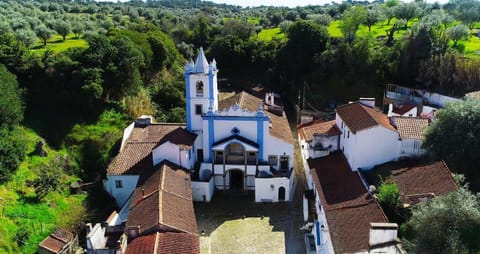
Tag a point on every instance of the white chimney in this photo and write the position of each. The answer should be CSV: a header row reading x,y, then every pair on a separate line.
x,y
382,233
369,102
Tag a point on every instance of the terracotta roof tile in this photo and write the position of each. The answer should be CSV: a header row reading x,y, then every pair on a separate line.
x,y
138,147
402,108
410,127
323,128
280,126
56,240
359,117
348,206
165,243
163,200
433,178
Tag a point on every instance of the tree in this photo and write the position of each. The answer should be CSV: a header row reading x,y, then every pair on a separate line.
x,y
26,36
78,28
457,32
139,104
44,33
373,16
389,9
407,11
352,18
455,136
63,28
446,224
11,102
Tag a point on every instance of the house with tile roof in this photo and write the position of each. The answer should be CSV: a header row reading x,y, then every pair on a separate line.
x,y
422,182
343,216
319,138
60,241
367,137
411,133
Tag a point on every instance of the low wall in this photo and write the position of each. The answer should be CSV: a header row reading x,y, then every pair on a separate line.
x,y
202,191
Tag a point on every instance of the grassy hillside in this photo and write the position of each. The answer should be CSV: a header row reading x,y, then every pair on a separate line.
x,y
57,44
25,217
270,34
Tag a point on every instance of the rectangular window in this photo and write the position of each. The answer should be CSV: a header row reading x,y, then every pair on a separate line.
x,y
284,162
348,134
118,184
273,160
198,109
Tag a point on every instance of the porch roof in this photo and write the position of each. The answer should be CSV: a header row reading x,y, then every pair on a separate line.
x,y
223,143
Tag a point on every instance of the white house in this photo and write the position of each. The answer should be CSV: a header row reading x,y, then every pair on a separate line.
x,y
410,135
402,109
319,138
367,137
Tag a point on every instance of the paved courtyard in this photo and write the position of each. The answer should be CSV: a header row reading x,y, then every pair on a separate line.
x,y
234,223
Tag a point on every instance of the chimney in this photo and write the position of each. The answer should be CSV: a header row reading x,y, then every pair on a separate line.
x,y
143,121
369,102
143,192
382,234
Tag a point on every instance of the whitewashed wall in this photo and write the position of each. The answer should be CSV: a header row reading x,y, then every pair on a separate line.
x,y
411,148
275,146
264,191
173,153
121,195
375,146
204,100
203,191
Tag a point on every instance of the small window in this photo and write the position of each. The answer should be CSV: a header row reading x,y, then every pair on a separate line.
x,y
273,160
118,184
199,88
284,162
198,109
251,153
348,134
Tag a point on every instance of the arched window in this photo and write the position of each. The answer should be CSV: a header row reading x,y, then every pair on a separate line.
x,y
199,88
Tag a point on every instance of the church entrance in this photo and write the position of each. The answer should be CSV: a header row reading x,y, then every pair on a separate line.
x,y
281,194
236,179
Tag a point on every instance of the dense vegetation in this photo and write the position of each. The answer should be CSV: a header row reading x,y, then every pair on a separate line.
x,y
74,73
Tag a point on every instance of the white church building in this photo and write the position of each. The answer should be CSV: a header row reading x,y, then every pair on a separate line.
x,y
240,143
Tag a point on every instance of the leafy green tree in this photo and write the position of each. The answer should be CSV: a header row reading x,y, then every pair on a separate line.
x,y
26,36
455,136
78,28
11,102
389,9
63,28
373,16
352,18
139,104
407,11
446,224
242,30
12,151
457,33
44,33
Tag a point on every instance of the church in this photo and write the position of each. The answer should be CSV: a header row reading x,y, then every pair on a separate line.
x,y
234,142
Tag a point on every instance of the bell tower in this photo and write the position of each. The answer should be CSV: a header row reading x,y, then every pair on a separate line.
x,y
201,90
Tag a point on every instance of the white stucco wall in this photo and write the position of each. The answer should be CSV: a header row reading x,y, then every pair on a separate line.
x,y
96,238
275,146
121,195
204,100
173,153
326,246
264,191
126,133
411,148
203,191
374,146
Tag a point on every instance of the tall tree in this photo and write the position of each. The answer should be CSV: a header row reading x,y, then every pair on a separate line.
x,y
352,18
446,224
44,33
458,32
455,136
63,28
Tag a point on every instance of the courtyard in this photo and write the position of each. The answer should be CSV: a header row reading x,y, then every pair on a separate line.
x,y
233,223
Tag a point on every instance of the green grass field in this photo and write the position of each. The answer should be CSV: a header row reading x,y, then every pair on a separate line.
x,y
56,44
270,34
379,29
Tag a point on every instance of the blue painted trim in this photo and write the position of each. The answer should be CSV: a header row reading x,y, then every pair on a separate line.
x,y
211,137
260,138
237,118
210,88
188,101
317,229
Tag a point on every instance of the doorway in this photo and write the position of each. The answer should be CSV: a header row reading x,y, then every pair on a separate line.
x,y
236,179
281,194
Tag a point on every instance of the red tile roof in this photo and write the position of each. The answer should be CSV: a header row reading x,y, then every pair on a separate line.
x,y
359,117
165,243
410,127
402,108
430,178
163,201
322,128
56,240
280,126
136,153
348,206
